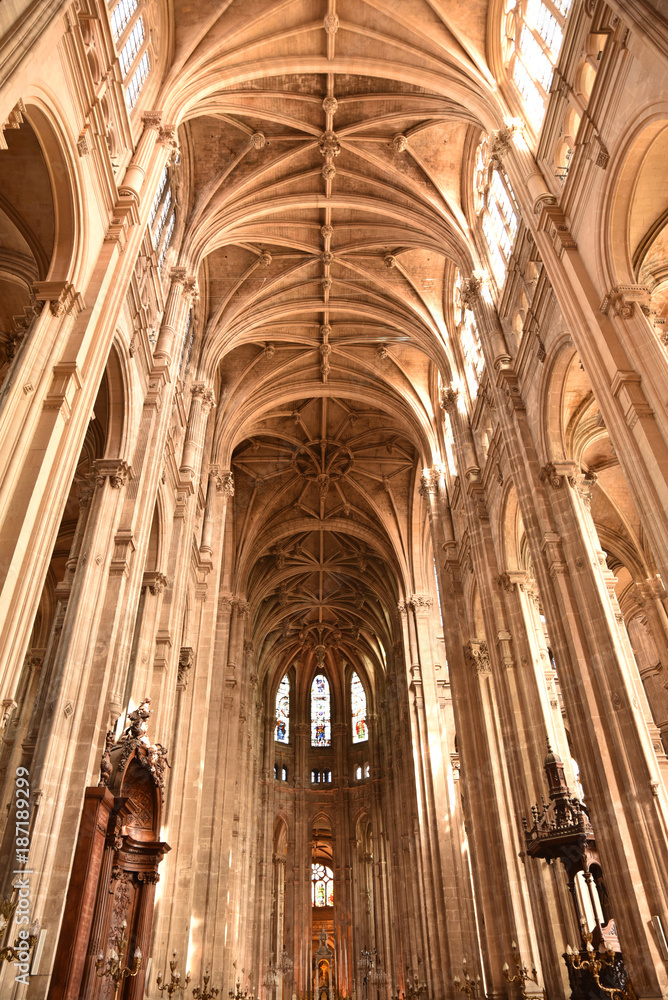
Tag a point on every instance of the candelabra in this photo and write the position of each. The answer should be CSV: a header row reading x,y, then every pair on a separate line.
x,y
523,975
174,983
595,963
414,990
285,964
11,954
114,968
203,992
365,965
240,994
469,986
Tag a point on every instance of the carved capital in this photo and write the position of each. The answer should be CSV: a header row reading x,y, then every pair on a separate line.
x,y
225,485
429,484
449,398
116,471
470,291
152,119
548,474
421,604
478,654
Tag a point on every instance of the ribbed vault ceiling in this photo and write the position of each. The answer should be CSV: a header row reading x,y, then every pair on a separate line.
x,y
328,154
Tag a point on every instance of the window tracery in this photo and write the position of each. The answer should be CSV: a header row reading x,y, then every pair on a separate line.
x,y
282,732
132,37
358,710
533,36
322,885
321,718
497,212
469,340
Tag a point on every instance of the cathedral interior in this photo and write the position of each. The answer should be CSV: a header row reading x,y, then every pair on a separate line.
x,y
333,499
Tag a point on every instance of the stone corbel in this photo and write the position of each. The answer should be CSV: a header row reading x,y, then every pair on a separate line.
x,y
116,470
186,658
507,380
62,297
154,581
125,214
553,222
13,120
124,547
622,300
66,384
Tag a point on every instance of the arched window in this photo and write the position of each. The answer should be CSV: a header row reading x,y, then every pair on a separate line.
x,y
322,885
533,36
497,212
132,39
321,716
469,340
282,732
358,710
162,218
284,773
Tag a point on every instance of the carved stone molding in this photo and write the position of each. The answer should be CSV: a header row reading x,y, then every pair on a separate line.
x,y
331,24
14,120
201,390
400,143
258,140
330,105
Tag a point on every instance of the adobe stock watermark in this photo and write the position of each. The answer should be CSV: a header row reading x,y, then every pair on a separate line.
x,y
26,933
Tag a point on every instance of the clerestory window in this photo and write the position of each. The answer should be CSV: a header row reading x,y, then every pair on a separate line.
x,y
533,35
132,39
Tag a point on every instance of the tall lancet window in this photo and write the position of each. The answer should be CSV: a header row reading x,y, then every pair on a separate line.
x,y
283,711
321,715
358,710
322,885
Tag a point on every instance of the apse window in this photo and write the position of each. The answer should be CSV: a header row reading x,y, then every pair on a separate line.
x,y
321,719
322,885
315,777
282,731
358,710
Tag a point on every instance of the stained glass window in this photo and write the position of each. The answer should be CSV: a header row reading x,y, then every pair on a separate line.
x,y
358,710
282,734
322,885
321,720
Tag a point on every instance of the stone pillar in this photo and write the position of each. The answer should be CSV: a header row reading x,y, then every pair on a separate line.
x,y
202,401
